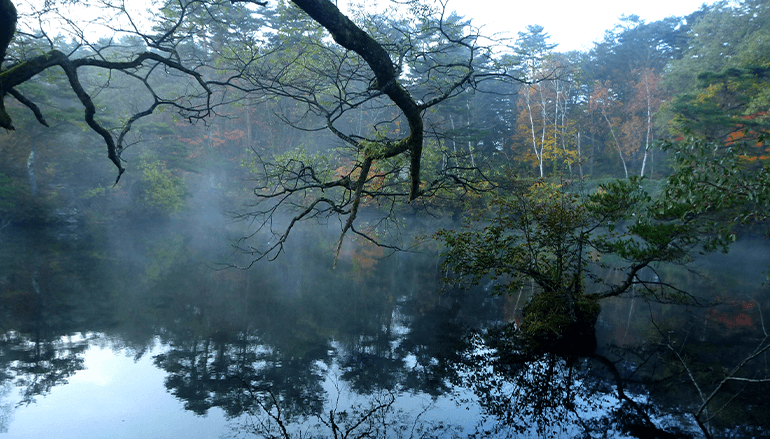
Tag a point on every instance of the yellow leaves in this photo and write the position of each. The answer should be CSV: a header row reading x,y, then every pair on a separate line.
x,y
708,94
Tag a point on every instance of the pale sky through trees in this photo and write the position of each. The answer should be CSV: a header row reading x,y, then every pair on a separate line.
x,y
574,25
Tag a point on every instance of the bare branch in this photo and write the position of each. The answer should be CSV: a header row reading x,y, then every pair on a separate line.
x,y
31,105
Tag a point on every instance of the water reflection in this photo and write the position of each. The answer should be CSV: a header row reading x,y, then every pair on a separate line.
x,y
295,334
114,396
226,335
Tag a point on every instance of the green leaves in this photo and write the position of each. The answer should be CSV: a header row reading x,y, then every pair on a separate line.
x,y
561,240
532,234
725,185
618,200
164,193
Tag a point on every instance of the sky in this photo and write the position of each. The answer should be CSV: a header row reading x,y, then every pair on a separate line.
x,y
573,25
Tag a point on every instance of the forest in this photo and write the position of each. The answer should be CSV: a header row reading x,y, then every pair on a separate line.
x,y
585,193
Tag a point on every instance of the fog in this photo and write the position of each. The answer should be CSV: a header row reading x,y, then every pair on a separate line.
x,y
268,264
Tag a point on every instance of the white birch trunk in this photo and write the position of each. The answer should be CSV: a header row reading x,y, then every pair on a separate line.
x,y
615,139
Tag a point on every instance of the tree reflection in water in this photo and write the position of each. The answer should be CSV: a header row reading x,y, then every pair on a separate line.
x,y
557,395
268,342
376,416
702,373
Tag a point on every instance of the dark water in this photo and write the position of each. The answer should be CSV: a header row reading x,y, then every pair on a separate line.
x,y
138,335
134,334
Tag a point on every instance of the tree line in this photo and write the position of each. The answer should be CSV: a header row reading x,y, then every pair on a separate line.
x,y
486,107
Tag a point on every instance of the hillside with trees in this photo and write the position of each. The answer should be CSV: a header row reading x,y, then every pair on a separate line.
x,y
495,107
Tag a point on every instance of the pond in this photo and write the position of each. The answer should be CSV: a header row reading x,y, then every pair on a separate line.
x,y
139,333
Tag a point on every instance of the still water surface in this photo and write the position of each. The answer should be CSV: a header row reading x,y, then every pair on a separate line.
x,y
113,396
136,335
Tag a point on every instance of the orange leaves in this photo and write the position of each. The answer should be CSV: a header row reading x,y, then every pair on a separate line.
x,y
346,168
366,256
235,135
744,133
735,317
193,141
646,101
215,139
629,119
750,159
603,97
544,124
735,314
363,255
352,169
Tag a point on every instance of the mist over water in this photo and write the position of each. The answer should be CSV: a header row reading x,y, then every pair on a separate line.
x,y
121,321
123,309
134,333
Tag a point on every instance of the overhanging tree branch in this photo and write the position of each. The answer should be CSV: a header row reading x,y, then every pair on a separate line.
x,y
397,71
348,35
23,70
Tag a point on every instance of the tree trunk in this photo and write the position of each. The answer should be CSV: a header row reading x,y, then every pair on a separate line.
x,y
454,142
615,139
31,171
580,157
649,126
538,155
7,27
470,140
348,35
